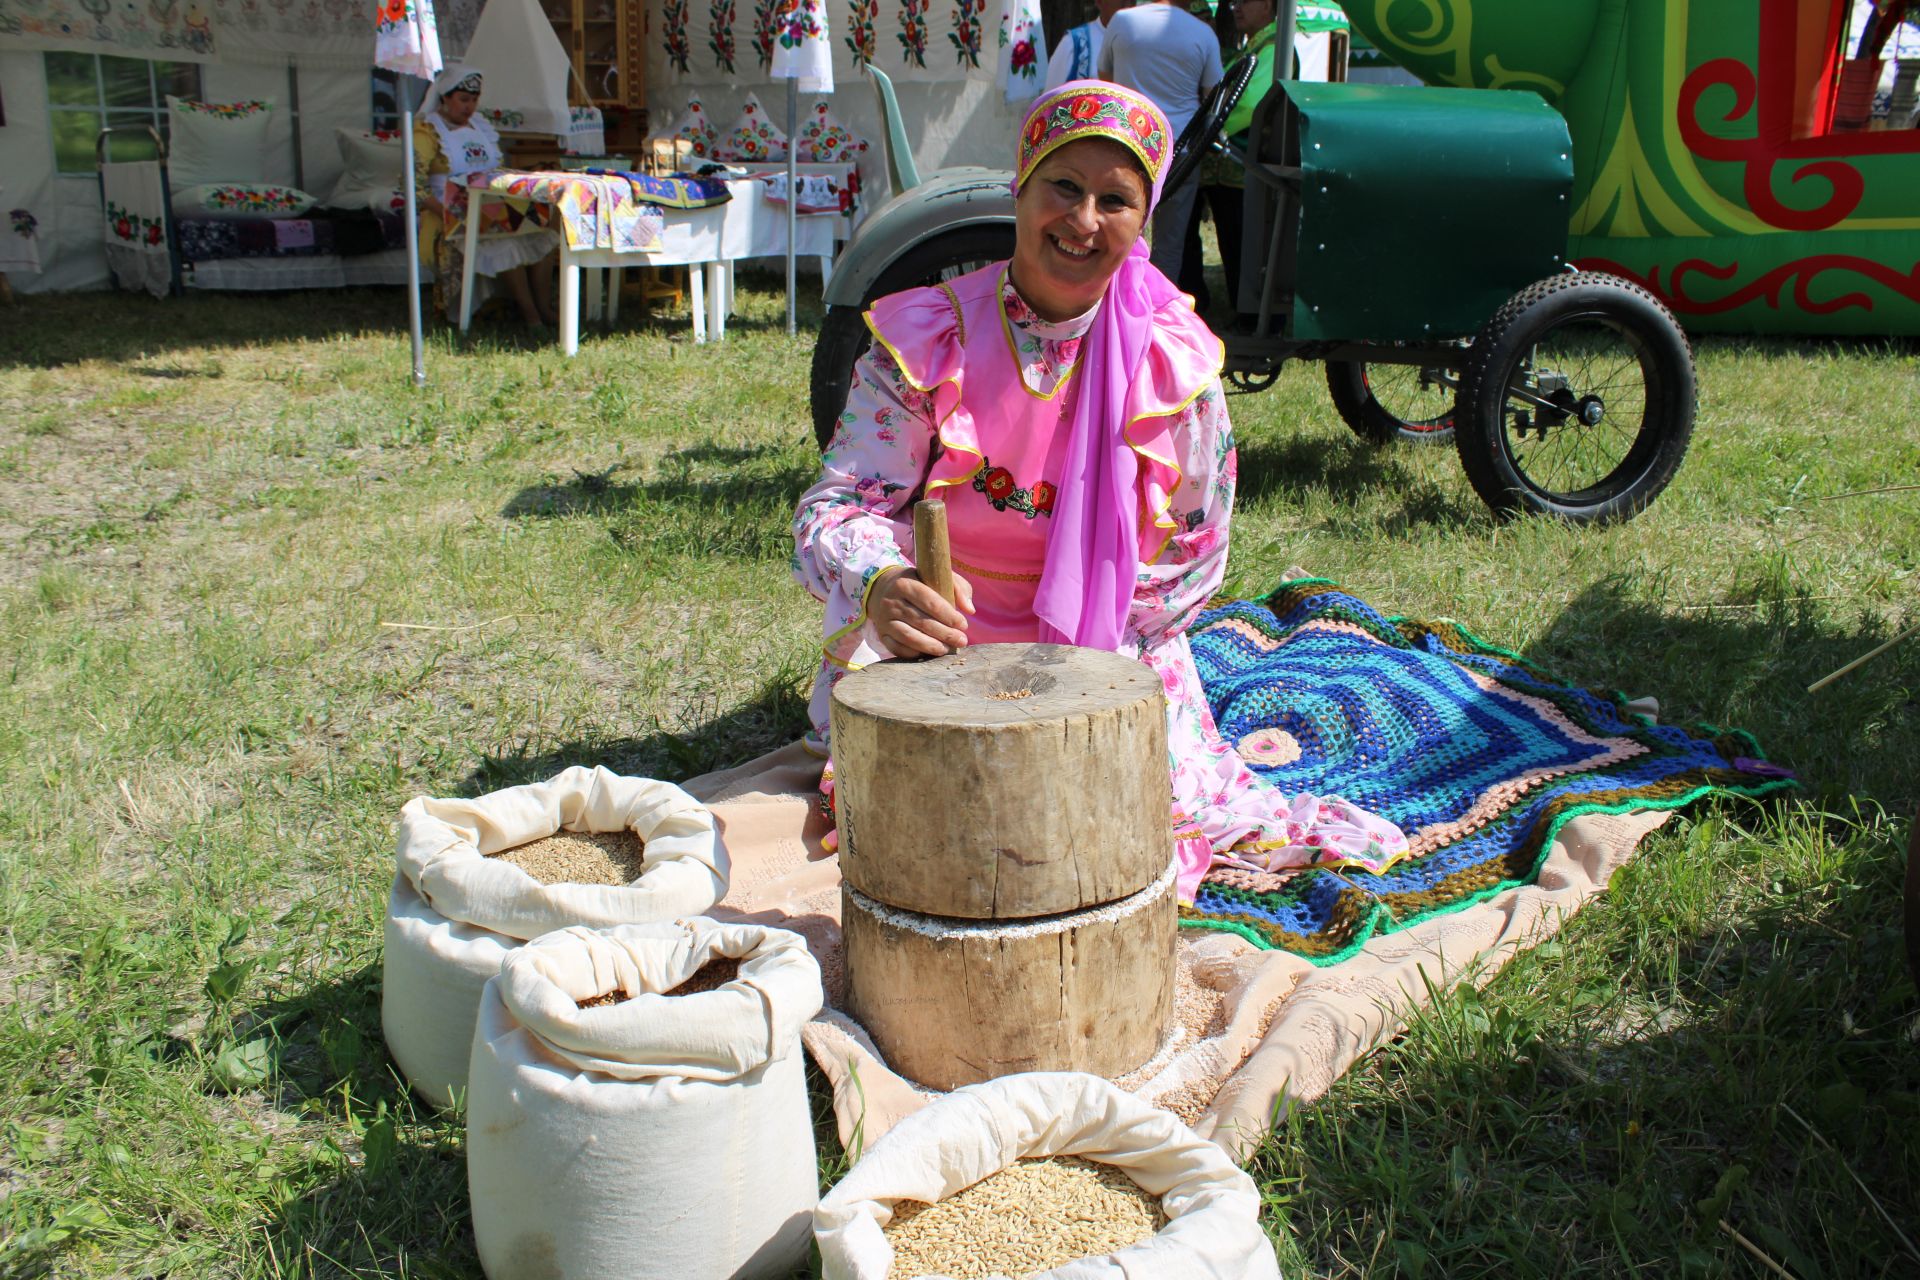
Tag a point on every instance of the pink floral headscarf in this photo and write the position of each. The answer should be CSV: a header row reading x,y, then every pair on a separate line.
x,y
1096,109
1086,584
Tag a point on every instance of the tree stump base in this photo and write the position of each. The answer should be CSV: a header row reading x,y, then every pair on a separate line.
x,y
953,1002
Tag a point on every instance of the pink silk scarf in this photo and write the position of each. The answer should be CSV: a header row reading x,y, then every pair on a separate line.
x,y
1086,585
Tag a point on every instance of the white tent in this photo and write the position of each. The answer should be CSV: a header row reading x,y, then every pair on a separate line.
x,y
526,66
313,61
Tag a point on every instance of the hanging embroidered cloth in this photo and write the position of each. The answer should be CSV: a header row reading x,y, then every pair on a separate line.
x,y
406,38
803,50
136,226
1022,49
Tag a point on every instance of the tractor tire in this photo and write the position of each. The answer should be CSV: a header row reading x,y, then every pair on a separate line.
x,y
844,337
1356,388
1599,372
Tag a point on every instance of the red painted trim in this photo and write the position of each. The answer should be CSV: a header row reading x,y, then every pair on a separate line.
x,y
1800,273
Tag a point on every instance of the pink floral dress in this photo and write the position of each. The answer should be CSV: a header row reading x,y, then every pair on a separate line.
x,y
856,521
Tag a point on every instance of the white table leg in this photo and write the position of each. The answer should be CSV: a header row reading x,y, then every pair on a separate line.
x,y
696,280
726,267
569,303
716,300
594,303
615,276
475,201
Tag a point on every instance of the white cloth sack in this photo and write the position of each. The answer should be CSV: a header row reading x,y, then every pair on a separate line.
x,y
455,913
434,971
662,1138
1213,1210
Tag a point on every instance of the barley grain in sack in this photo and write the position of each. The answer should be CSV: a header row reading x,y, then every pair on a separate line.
x,y
456,911
659,1137
1212,1208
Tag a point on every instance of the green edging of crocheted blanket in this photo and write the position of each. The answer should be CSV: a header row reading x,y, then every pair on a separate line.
x,y
1373,926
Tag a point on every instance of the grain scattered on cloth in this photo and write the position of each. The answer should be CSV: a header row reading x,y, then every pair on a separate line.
x,y
1032,1216
580,857
1291,1028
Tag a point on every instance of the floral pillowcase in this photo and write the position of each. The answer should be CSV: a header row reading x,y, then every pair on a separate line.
x,y
241,200
754,136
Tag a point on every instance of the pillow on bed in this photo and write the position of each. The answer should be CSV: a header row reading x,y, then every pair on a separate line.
x,y
217,141
240,200
371,167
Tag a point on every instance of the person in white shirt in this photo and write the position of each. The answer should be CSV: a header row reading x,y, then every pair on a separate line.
x,y
1077,56
1163,51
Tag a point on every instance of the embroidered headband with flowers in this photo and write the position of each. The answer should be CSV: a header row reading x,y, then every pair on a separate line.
x,y
469,83
1095,109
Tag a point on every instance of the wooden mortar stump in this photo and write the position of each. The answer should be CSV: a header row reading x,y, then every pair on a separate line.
x,y
954,1002
1006,781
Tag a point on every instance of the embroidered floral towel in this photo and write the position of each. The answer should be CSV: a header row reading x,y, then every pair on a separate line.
x,y
137,226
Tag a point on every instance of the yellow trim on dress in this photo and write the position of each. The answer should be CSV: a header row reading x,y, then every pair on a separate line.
x,y
1013,348
1161,518
974,571
939,427
859,620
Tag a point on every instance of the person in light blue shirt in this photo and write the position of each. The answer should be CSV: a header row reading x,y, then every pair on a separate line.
x,y
1161,50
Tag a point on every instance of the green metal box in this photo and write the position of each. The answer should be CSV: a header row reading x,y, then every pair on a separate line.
x,y
1422,210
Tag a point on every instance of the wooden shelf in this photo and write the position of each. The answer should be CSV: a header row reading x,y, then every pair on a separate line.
x,y
598,41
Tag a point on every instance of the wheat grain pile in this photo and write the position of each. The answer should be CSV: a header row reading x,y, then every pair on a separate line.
x,y
1031,1216
580,857
710,976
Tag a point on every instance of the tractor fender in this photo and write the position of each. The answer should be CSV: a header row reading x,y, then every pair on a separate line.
x,y
946,200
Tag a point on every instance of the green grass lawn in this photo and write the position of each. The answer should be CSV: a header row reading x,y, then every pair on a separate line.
x,y
212,511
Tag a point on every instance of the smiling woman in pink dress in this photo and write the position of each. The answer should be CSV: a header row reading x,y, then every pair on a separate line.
x,y
1066,405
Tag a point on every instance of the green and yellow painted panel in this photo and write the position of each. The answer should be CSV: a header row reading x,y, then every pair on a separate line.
x,y
1702,165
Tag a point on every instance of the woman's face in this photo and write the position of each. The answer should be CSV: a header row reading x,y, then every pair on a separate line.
x,y
457,107
1075,221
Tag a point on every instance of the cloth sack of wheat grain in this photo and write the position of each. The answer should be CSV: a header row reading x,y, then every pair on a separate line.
x,y
662,1137
456,912
1212,1207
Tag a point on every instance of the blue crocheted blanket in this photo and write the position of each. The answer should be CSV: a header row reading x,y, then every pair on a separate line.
x,y
1475,752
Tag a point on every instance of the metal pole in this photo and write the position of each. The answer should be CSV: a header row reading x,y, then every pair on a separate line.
x,y
403,85
793,189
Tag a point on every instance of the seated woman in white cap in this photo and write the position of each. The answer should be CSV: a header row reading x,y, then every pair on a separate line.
x,y
451,140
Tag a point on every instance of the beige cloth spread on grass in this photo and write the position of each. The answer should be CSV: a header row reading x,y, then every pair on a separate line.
x,y
1258,1031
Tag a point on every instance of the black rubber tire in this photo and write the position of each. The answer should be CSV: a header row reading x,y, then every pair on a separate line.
x,y
1203,130
843,336
1351,386
1501,353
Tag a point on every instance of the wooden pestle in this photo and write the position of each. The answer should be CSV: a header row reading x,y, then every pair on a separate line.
x,y
932,556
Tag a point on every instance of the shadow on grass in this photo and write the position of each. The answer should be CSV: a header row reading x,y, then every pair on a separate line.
x,y
744,510
772,718
1683,1056
1343,468
1746,663
122,327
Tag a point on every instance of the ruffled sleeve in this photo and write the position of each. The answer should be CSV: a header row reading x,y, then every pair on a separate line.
x,y
852,524
1182,364
1192,562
